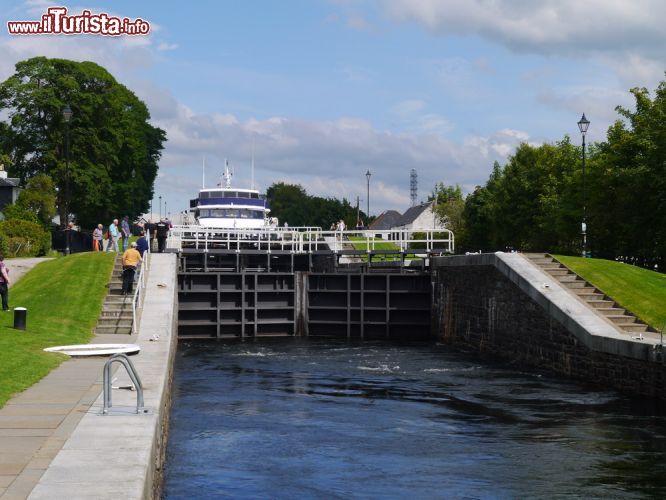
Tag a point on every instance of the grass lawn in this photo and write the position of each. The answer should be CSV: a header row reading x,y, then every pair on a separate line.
x,y
639,290
361,243
64,299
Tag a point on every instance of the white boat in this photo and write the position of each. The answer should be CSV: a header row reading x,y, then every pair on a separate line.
x,y
225,207
95,349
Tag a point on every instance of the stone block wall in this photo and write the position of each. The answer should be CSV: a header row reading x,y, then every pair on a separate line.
x,y
479,308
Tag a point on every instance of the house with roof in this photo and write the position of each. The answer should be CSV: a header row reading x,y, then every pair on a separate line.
x,y
417,218
9,189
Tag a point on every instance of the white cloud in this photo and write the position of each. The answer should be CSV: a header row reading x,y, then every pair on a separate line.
x,y
167,46
328,158
412,116
546,26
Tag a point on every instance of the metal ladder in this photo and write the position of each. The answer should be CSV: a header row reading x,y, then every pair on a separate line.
x,y
131,371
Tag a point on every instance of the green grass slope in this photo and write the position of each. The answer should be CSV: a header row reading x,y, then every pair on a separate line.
x,y
641,291
64,298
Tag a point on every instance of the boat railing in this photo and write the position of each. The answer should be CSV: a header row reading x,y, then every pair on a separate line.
x,y
311,239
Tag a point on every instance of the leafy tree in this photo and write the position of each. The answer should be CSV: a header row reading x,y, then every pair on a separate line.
x,y
113,148
535,201
449,207
290,203
39,198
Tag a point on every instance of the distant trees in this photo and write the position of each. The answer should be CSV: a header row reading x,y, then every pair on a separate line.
x,y
291,204
534,202
113,148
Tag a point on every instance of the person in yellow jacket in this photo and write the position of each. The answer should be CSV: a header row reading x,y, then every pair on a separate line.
x,y
131,259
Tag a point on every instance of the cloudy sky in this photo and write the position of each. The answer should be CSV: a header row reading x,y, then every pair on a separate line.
x,y
324,90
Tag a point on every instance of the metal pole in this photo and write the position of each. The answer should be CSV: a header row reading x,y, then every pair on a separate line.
x,y
367,175
584,226
67,231
160,197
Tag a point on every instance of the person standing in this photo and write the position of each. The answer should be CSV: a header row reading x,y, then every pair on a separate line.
x,y
98,234
142,244
4,284
125,228
162,233
131,259
114,233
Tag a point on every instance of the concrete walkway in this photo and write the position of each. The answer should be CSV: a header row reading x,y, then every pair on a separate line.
x,y
53,441
18,267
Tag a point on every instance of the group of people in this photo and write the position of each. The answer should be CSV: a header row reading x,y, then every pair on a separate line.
x,y
116,232
116,238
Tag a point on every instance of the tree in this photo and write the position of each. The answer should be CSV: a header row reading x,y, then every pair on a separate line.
x,y
449,207
113,148
39,198
290,203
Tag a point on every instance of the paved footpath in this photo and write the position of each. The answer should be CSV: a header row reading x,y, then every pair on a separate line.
x,y
43,431
18,267
35,424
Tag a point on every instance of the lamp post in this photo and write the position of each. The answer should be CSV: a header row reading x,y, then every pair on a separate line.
x,y
583,124
66,116
367,176
160,197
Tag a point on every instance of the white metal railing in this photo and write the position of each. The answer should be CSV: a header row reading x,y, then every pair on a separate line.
x,y
141,285
309,239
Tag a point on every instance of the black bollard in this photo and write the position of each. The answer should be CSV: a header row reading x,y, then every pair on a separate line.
x,y
20,318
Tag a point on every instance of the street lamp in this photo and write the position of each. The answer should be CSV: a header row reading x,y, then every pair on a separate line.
x,y
583,124
66,116
367,176
160,197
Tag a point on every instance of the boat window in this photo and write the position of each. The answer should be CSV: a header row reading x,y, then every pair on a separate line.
x,y
254,195
242,194
203,195
229,194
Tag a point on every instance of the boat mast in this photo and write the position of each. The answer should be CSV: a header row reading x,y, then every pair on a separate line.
x,y
227,174
252,169
203,173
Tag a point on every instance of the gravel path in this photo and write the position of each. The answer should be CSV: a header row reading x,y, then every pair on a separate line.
x,y
18,267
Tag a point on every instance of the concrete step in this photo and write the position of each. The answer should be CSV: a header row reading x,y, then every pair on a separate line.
x,y
101,330
589,294
580,284
632,327
542,261
621,319
557,271
599,303
120,314
114,322
116,298
612,310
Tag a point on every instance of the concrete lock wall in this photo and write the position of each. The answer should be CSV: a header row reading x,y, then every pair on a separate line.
x,y
492,304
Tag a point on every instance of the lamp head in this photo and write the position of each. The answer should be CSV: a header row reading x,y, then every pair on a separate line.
x,y
583,124
67,113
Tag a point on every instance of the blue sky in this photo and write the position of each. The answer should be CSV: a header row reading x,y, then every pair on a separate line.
x,y
325,90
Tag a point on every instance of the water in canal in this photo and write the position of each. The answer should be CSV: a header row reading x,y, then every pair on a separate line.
x,y
303,418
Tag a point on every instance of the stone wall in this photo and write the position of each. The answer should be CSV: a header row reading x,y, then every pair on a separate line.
x,y
481,308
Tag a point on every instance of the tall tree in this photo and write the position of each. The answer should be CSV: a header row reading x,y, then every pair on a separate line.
x,y
113,152
290,203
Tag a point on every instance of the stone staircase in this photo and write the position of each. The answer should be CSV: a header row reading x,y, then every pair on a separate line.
x,y
594,298
116,314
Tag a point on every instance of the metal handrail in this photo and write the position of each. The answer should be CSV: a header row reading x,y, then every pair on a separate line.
x,y
133,375
306,240
138,292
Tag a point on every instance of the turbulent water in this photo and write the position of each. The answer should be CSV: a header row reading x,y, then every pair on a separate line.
x,y
301,418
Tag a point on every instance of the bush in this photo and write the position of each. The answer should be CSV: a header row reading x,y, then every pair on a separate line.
x,y
4,246
20,247
37,239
